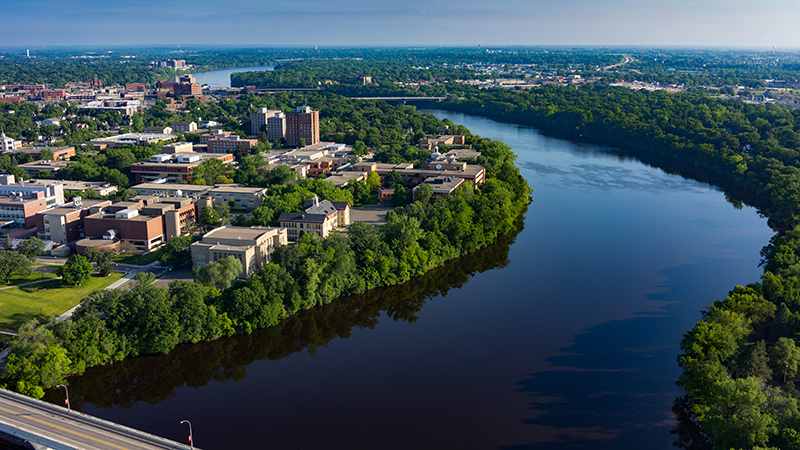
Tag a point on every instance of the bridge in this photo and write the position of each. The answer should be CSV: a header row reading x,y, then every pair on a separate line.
x,y
49,426
404,100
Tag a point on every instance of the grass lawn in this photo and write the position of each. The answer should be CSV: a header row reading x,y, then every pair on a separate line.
x,y
16,279
18,306
139,260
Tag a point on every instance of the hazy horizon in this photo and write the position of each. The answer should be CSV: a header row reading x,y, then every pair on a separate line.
x,y
412,23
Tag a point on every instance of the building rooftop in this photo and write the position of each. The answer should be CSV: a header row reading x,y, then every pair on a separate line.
x,y
193,188
230,232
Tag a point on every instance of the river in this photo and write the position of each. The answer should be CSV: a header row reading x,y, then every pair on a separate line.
x,y
222,78
565,334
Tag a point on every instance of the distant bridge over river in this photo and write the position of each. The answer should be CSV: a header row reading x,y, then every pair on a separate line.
x,y
404,100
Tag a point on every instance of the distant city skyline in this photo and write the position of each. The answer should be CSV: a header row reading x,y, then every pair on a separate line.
x,y
707,23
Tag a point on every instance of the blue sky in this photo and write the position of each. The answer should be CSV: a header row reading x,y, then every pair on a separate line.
x,y
718,23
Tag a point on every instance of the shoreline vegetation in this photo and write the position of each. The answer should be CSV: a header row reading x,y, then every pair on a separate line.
x,y
739,360
112,324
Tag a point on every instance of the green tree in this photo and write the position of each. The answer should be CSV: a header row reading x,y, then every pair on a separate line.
x,y
77,270
209,217
31,248
46,155
755,362
373,181
360,148
12,263
219,274
36,361
392,179
423,193
176,252
400,197
103,259
784,357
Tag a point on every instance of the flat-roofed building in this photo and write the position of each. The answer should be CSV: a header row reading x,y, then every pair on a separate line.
x,y
253,246
101,188
432,140
8,144
141,139
65,224
259,118
51,167
59,153
178,147
173,168
230,144
247,198
442,185
124,107
19,202
171,189
146,226
302,125
216,134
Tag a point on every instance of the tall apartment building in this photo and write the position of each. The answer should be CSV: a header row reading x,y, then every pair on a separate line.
x,y
302,123
259,118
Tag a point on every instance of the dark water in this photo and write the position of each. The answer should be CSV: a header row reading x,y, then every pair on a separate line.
x,y
564,335
222,78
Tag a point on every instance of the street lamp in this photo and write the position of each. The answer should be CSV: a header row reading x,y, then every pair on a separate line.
x,y
191,442
67,399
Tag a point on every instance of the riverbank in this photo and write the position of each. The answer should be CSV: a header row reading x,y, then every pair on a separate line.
x,y
152,320
744,342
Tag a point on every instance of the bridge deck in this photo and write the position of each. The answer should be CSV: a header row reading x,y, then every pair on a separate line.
x,y
52,426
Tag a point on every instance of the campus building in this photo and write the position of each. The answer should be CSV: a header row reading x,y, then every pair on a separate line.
x,y
243,197
144,222
230,144
261,118
142,139
253,246
173,168
302,125
65,224
59,153
320,218
19,202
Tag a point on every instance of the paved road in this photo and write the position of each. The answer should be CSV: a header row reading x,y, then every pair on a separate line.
x,y
54,427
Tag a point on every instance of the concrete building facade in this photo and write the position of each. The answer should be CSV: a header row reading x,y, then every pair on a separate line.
x,y
252,246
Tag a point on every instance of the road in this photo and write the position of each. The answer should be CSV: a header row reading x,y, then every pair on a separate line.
x,y
54,427
627,59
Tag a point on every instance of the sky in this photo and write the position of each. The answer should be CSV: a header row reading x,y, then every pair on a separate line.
x,y
695,23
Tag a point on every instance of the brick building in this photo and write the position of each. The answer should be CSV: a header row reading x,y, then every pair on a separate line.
x,y
302,124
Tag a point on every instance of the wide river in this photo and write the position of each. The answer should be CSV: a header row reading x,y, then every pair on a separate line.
x,y
564,335
222,78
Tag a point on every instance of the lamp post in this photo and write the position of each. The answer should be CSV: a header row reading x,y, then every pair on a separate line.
x,y
784,373
191,442
66,391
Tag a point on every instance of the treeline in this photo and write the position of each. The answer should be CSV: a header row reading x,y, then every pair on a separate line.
x,y
736,360
133,380
111,324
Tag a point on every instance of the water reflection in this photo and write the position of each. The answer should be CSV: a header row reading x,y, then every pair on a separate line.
x,y
604,388
153,379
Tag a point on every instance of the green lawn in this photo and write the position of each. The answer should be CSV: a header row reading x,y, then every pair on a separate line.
x,y
18,306
139,260
16,279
